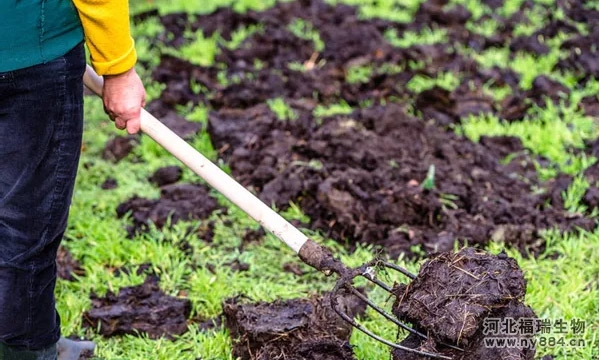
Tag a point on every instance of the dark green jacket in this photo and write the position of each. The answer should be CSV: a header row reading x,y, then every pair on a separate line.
x,y
36,31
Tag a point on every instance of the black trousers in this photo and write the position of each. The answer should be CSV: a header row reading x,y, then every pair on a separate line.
x,y
41,123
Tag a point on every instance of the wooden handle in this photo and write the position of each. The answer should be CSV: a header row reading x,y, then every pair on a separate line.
x,y
211,173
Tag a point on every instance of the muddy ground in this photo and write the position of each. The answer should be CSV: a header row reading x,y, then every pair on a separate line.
x,y
391,172
361,176
177,202
292,329
138,309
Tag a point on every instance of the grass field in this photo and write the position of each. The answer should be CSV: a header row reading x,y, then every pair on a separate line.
x,y
562,281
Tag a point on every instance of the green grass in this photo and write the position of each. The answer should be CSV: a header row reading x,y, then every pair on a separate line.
x,y
173,6
552,132
420,83
427,36
306,31
341,108
562,282
241,34
401,11
359,74
476,7
282,110
487,27
199,50
364,73
535,17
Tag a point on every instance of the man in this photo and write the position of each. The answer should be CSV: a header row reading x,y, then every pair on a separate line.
x,y
42,61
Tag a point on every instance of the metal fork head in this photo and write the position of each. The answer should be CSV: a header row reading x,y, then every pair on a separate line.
x,y
369,272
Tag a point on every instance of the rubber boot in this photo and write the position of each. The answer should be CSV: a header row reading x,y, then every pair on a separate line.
x,y
8,353
71,349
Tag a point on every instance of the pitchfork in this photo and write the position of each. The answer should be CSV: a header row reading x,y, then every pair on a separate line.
x,y
308,250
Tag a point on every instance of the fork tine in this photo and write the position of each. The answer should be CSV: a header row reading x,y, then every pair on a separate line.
x,y
393,319
399,269
351,321
368,272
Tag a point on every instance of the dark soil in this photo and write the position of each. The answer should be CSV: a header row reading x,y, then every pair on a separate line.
x,y
177,202
86,354
180,126
350,41
294,268
206,231
117,148
359,176
372,192
145,268
454,294
66,266
109,184
292,329
166,175
210,324
237,265
143,308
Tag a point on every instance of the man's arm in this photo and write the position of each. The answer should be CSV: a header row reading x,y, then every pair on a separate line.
x,y
108,38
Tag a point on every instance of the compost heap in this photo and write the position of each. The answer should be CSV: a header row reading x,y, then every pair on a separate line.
x,y
455,297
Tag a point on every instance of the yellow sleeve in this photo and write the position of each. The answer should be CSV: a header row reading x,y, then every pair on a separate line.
x,y
107,34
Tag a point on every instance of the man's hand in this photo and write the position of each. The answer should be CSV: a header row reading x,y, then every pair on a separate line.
x,y
124,97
